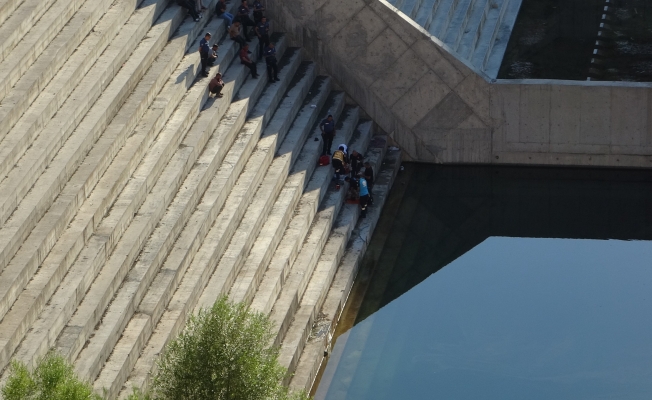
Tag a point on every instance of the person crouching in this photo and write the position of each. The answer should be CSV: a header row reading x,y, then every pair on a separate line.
x,y
216,85
338,163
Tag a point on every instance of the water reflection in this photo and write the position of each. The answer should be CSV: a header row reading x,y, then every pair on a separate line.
x,y
533,302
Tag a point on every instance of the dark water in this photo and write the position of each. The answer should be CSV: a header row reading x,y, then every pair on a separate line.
x,y
556,39
502,283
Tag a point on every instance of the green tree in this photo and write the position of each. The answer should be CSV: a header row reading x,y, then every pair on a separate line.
x,y
222,354
52,379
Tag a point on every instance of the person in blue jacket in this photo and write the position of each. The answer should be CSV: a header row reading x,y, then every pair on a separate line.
x,y
364,194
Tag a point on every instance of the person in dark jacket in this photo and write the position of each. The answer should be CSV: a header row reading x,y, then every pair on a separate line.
x,y
262,31
327,127
272,63
258,11
190,6
204,52
355,159
243,17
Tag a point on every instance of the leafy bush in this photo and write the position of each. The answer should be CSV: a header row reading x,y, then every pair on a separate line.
x,y
52,379
223,353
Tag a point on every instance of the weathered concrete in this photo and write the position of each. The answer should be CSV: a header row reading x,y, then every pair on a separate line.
x,y
322,311
65,252
130,198
441,109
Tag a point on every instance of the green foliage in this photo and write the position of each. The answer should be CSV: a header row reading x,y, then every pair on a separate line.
x,y
222,354
52,379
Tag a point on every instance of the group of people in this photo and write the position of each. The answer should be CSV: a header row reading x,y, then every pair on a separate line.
x,y
195,8
239,33
237,27
348,167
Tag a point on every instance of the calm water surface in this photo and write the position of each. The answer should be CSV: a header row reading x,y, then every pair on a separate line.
x,y
502,283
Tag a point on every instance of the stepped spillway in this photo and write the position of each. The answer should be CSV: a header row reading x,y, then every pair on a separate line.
x,y
475,30
130,198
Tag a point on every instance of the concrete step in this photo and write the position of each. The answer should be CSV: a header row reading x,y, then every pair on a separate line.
x,y
28,258
494,58
73,131
299,271
286,251
475,25
7,7
34,24
424,14
493,26
143,230
442,17
166,282
248,280
40,241
276,184
326,252
214,242
321,332
459,23
223,279
99,245
156,252
56,71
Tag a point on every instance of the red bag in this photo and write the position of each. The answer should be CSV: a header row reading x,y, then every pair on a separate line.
x,y
324,160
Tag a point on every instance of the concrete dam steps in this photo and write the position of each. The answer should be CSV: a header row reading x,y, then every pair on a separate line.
x,y
476,30
130,198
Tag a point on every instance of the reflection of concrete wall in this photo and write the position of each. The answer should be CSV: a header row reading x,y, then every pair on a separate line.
x,y
439,109
572,123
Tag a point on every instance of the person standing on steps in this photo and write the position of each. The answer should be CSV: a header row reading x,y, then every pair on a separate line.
x,y
369,177
262,31
327,127
339,163
216,85
243,17
364,194
190,6
204,51
234,34
258,11
220,11
356,163
272,63
244,59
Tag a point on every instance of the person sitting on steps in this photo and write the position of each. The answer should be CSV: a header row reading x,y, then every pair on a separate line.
x,y
190,6
244,59
234,34
216,85
243,17
212,55
220,11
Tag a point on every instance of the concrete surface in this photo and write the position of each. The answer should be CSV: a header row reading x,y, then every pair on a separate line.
x,y
440,108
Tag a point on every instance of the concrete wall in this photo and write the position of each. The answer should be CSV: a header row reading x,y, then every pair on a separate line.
x,y
439,109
